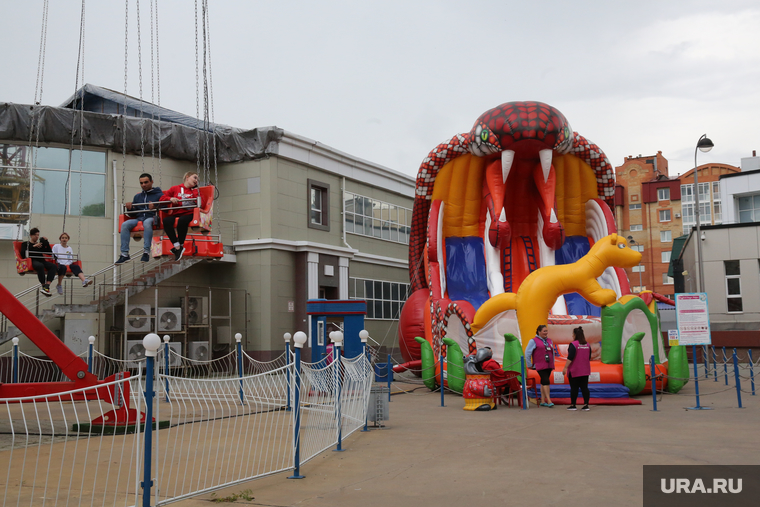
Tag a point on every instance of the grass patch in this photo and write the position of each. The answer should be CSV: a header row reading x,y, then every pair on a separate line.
x,y
245,495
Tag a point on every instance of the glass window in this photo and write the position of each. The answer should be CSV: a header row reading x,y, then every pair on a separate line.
x,y
665,237
687,193
637,248
665,257
633,207
663,194
716,190
664,215
637,227
377,219
319,205
667,280
638,269
749,208
733,286
384,299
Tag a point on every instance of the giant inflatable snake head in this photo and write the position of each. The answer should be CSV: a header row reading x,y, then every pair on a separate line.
x,y
499,128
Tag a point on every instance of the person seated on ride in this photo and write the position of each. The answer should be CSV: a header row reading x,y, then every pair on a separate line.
x,y
145,213
36,247
180,195
64,258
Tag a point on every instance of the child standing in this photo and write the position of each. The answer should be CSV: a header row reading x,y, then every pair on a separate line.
x,y
64,258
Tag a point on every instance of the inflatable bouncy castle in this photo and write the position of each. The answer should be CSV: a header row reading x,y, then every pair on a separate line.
x,y
513,227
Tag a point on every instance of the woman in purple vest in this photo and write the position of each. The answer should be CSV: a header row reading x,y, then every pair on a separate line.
x,y
578,368
540,355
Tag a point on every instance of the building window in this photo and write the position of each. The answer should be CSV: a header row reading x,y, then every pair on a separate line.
x,y
384,299
665,257
667,280
749,208
638,269
637,248
638,227
377,219
53,192
733,286
717,215
664,215
319,205
663,194
665,237
634,207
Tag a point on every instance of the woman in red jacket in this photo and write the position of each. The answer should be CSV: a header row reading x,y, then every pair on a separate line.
x,y
180,195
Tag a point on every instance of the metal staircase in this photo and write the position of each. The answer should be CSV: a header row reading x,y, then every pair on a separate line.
x,y
110,287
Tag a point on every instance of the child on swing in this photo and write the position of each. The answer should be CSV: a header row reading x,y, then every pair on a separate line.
x,y
64,258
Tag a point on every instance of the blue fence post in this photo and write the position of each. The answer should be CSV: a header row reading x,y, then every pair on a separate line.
x,y
299,339
696,380
390,377
151,342
167,352
725,365
738,382
287,337
90,352
653,375
364,336
440,363
706,361
239,349
715,363
338,340
14,364
524,384
751,371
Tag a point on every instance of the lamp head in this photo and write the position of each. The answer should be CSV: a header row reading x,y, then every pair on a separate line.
x,y
337,338
299,339
287,337
364,335
705,144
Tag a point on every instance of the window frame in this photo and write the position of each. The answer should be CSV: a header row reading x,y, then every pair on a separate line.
x,y
636,227
665,192
394,305
634,207
386,221
669,214
669,239
665,256
641,268
324,191
733,296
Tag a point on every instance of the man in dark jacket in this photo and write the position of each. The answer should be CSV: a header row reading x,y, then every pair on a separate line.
x,y
35,249
144,211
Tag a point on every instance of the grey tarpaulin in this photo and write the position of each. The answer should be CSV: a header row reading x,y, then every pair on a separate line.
x,y
105,131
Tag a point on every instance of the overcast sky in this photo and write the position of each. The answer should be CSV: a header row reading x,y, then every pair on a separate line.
x,y
388,80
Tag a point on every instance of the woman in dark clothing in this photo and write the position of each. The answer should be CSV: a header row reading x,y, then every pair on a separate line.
x,y
578,368
35,248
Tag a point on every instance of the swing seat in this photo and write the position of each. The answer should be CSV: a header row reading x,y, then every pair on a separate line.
x,y
139,231
24,266
202,216
196,245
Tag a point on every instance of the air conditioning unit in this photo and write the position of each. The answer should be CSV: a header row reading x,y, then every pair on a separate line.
x,y
678,215
169,319
135,353
223,335
139,319
196,309
198,351
175,360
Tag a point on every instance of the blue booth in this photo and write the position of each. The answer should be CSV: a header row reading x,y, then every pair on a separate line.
x,y
350,312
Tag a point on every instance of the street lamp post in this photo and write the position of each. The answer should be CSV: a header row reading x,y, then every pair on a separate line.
x,y
704,144
634,242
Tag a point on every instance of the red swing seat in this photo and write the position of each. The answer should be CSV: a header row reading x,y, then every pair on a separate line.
x,y
201,222
24,266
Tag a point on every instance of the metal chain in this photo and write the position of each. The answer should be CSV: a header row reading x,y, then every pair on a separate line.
x,y
124,114
34,129
81,136
140,82
80,55
204,6
158,95
152,96
197,95
213,121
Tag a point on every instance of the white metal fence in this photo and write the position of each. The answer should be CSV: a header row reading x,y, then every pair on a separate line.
x,y
208,433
